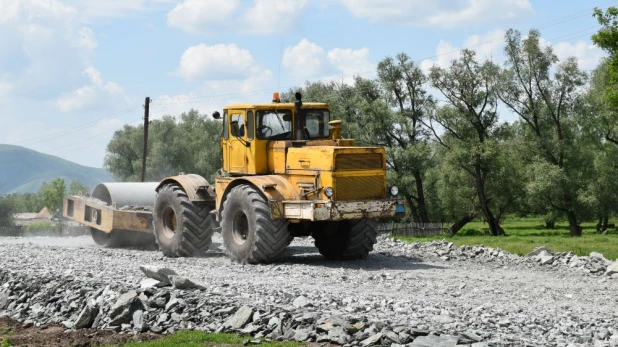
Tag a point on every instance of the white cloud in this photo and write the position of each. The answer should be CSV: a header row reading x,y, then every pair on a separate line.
x,y
270,17
587,54
5,89
304,60
199,16
94,94
262,17
33,10
215,62
438,13
352,62
309,61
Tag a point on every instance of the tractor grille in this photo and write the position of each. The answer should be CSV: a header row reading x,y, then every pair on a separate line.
x,y
358,161
359,188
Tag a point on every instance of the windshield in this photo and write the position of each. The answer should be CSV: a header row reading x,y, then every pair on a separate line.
x,y
274,124
277,124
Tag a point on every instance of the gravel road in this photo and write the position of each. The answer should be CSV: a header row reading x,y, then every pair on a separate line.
x,y
501,298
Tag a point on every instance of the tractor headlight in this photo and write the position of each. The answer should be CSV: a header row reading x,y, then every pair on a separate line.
x,y
328,191
394,190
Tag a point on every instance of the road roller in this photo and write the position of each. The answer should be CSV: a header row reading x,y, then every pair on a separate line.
x,y
287,172
118,214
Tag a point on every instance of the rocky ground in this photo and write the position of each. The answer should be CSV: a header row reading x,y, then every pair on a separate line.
x,y
421,294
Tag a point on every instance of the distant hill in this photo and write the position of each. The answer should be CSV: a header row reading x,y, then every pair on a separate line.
x,y
24,170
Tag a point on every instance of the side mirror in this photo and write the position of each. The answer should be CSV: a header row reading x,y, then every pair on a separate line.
x,y
216,115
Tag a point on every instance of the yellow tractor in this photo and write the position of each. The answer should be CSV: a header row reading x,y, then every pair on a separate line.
x,y
286,172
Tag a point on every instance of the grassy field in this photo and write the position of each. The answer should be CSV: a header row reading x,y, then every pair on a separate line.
x,y
523,235
201,339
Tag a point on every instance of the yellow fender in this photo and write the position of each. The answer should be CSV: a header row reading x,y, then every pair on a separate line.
x,y
197,187
274,187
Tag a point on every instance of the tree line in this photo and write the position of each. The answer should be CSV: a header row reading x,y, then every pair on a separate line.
x,y
449,150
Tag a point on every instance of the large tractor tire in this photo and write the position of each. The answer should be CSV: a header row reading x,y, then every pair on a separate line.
x,y
249,233
181,228
346,240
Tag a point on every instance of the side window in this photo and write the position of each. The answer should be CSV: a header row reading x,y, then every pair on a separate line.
x,y
250,125
226,133
237,125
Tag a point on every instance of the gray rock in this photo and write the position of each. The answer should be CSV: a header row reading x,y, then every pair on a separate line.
x,y
545,258
180,282
339,336
611,269
175,303
86,317
469,335
301,335
122,311
150,283
240,318
539,250
480,344
597,255
4,298
160,274
123,301
138,321
301,301
372,340
435,341
444,319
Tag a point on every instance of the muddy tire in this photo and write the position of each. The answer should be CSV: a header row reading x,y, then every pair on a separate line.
x,y
346,240
181,228
249,233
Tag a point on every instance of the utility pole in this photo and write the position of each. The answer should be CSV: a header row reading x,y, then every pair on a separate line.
x,y
146,114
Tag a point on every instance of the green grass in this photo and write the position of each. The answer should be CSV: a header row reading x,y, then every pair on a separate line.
x,y
523,235
201,339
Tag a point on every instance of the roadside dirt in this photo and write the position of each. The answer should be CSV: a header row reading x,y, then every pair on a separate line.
x,y
13,334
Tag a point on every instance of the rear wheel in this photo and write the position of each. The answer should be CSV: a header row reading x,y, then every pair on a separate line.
x,y
344,240
105,240
181,228
249,233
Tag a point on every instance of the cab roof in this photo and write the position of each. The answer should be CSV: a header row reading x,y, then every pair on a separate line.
x,y
287,105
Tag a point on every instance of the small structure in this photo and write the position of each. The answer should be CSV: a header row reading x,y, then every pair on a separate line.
x,y
23,219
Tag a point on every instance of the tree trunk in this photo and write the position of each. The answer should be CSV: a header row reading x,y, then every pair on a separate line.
x,y
494,226
460,224
413,208
574,228
422,207
605,222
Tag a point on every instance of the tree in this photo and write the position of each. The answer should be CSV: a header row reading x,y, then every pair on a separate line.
x,y
78,188
607,39
470,123
545,102
189,144
7,210
52,194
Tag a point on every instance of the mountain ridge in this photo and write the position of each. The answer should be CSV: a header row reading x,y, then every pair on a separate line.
x,y
23,170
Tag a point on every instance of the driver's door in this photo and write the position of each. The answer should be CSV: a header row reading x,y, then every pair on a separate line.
x,y
237,151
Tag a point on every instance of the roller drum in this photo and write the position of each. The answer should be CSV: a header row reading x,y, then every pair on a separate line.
x,y
126,194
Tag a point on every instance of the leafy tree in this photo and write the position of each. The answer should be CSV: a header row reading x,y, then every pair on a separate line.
x,y
190,144
607,39
52,194
544,95
76,188
470,123
7,210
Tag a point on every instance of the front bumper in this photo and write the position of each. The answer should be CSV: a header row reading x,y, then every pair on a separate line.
x,y
317,210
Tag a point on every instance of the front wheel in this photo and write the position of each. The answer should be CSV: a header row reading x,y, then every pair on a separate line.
x,y
249,233
345,240
181,228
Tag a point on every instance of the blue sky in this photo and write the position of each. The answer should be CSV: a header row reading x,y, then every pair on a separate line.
x,y
73,71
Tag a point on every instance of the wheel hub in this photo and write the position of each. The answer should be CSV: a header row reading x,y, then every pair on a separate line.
x,y
240,228
169,222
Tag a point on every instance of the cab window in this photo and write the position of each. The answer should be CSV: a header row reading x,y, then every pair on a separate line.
x,y
316,121
237,125
250,125
274,124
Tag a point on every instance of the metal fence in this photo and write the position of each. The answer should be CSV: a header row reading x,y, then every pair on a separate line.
x,y
412,229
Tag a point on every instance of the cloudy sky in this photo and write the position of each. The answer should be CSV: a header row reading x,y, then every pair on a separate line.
x,y
74,71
